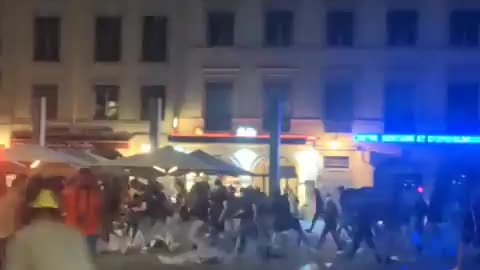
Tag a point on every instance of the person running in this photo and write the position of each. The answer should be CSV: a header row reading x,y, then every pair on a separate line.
x,y
420,212
319,209
393,215
284,220
158,209
363,220
198,201
136,210
331,223
347,210
247,215
181,198
46,243
218,208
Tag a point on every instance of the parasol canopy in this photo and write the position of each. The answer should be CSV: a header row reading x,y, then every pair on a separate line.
x,y
165,160
85,155
222,166
36,153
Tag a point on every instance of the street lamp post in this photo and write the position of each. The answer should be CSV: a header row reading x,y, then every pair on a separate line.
x,y
275,142
155,117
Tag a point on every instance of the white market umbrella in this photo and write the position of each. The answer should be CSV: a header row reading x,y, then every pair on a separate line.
x,y
36,153
165,160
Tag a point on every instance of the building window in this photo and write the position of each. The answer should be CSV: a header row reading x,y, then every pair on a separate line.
x,y
464,28
106,102
155,35
218,106
399,105
50,92
277,92
462,107
332,162
221,28
279,28
46,39
108,36
148,93
402,27
338,106
340,30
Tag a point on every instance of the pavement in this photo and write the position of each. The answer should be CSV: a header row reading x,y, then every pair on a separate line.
x,y
297,258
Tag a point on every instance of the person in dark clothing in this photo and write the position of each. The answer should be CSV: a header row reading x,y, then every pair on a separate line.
x,y
158,209
283,218
347,211
247,215
319,209
218,207
394,217
363,220
197,201
157,205
136,209
331,223
419,215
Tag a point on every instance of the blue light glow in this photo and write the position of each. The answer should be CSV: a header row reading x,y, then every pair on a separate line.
x,y
421,139
368,138
454,139
416,138
397,138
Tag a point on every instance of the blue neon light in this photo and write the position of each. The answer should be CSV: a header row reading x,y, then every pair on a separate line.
x,y
454,139
416,138
368,138
397,138
421,139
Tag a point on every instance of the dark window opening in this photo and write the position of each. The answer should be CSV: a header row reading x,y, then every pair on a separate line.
x,y
462,108
148,93
50,92
108,38
106,102
340,28
155,38
279,28
277,92
338,107
47,39
402,27
333,162
221,29
464,28
218,106
399,108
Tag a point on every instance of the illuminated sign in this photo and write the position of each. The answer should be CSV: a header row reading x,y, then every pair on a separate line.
x,y
454,139
246,132
368,138
399,138
413,138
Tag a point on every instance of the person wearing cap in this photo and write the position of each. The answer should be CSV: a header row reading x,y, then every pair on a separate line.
x,y
46,243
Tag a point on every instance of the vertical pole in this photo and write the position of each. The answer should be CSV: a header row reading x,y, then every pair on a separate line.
x,y
275,131
159,102
155,117
43,120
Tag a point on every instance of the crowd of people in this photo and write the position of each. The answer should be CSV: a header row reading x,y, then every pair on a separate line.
x,y
350,217
50,217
